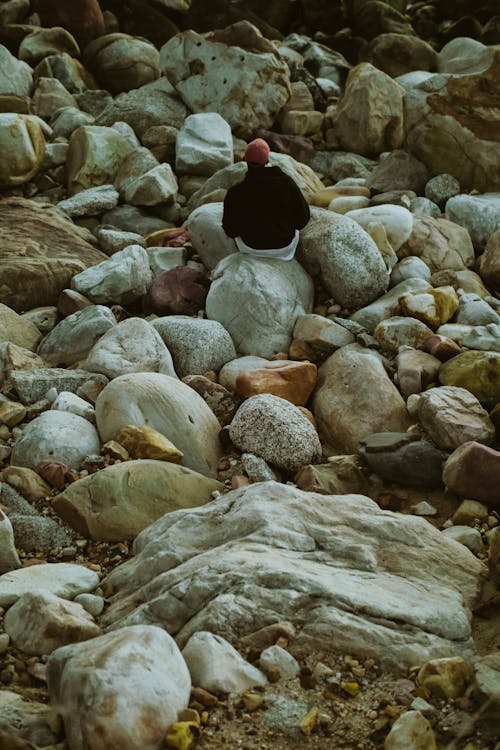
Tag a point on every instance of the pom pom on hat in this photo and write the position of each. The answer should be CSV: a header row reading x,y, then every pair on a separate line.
x,y
257,153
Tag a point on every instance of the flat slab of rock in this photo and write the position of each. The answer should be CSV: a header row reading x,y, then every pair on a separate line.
x,y
354,577
62,579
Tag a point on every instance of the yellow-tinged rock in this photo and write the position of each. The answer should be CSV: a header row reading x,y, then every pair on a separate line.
x,y
352,688
26,482
144,442
182,734
253,701
322,198
11,413
115,450
433,307
477,372
309,721
445,678
22,148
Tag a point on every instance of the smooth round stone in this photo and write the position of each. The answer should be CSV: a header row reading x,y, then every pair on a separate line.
x,y
93,604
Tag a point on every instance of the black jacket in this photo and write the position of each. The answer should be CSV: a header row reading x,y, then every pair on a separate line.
x,y
265,208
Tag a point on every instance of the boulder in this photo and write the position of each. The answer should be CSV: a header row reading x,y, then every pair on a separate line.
x,y
396,220
443,245
71,340
403,458
55,435
478,214
293,381
258,301
61,579
22,148
18,330
181,290
358,579
352,268
477,372
246,88
16,77
121,62
94,155
99,708
203,145
43,42
208,238
121,279
119,501
168,406
473,471
85,20
355,397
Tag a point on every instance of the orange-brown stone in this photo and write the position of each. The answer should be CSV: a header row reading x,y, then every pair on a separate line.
x,y
293,381
82,18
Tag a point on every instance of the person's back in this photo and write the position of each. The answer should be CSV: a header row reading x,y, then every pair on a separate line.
x,y
265,211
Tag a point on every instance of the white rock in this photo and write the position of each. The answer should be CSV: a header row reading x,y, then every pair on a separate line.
x,y
16,77
9,559
130,346
113,240
208,238
411,731
123,689
196,345
70,402
353,270
40,622
397,221
94,156
275,657
204,144
73,338
258,301
275,430
90,202
62,579
167,405
246,88
466,535
165,258
387,305
464,56
68,119
216,666
93,604
56,436
479,214
157,185
357,579
410,268
121,279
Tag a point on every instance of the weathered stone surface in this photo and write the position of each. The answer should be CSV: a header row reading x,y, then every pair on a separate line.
x,y
416,370
196,345
479,214
130,346
72,338
16,77
444,131
216,666
203,145
121,62
120,501
86,684
258,301
433,307
396,220
411,731
403,458
85,21
68,70
270,533
43,42
443,245
181,290
293,381
473,471
208,238
26,719
94,155
32,385
352,268
342,475
478,372
90,202
275,430
397,54
452,416
373,98
355,397
55,435
121,279
22,148
15,329
41,248
399,331
143,442
168,406
62,579
38,623
490,261
9,559
387,305
245,88
321,334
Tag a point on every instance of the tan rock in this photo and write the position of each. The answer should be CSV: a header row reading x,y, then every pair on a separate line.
x,y
16,329
144,442
11,413
434,307
22,148
293,381
39,253
441,244
490,261
445,678
342,475
116,503
26,482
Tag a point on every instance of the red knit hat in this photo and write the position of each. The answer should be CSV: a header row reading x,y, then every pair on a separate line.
x,y
257,153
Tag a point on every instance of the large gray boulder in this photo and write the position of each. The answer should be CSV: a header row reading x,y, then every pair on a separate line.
x,y
355,578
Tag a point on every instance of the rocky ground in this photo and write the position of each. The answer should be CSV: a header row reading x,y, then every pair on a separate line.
x,y
249,503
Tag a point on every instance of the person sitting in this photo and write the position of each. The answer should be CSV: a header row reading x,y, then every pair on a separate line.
x,y
264,212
